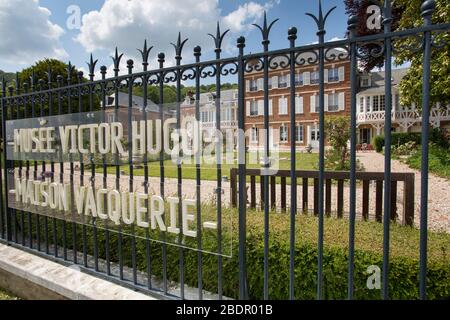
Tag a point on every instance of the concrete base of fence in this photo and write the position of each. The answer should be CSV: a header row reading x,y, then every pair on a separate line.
x,y
32,277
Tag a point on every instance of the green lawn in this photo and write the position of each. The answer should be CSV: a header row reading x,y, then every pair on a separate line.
x,y
304,161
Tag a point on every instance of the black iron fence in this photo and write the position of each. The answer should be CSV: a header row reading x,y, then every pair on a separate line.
x,y
119,252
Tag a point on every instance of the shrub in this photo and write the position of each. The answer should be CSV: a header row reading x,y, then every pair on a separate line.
x,y
403,264
437,136
378,143
404,149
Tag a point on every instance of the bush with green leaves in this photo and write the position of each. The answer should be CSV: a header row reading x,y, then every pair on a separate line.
x,y
437,136
403,264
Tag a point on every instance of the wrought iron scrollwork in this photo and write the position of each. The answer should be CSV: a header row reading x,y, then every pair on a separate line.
x,y
279,61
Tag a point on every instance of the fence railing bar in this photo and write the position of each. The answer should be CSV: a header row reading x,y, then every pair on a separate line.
x,y
105,173
197,54
178,49
83,227
292,36
130,65
145,52
387,22
242,168
116,61
427,12
3,176
352,25
20,213
218,40
161,58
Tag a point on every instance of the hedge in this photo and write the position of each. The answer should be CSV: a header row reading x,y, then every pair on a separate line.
x,y
403,273
400,138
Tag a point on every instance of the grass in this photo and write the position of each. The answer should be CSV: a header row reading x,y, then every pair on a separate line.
x,y
439,160
304,161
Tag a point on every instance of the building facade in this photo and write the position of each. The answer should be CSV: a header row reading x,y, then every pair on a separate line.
x,y
371,108
207,110
337,98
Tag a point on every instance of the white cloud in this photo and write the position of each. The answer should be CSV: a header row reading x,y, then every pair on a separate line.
x,y
127,23
242,18
27,34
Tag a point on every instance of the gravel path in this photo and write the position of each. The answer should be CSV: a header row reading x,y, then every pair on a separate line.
x,y
438,194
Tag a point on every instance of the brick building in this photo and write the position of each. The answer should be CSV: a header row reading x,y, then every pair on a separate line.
x,y
337,102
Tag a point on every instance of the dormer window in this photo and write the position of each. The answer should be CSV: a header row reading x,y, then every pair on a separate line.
x,y
365,81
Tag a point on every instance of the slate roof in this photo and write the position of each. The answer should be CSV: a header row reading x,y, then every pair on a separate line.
x,y
378,81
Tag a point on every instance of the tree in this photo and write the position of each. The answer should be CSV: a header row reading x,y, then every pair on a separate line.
x,y
337,132
57,68
407,14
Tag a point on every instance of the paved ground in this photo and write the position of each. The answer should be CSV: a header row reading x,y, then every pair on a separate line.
x,y
438,195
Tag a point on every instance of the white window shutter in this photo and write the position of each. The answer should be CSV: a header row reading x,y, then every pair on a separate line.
x,y
260,107
326,75
341,101
301,104
270,106
275,82
308,132
288,80
247,107
341,73
326,102
312,107
307,78
247,85
260,84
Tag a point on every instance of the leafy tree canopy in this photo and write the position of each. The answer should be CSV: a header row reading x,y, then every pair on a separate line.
x,y
406,14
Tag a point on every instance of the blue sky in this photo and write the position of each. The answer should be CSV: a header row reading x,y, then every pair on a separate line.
x,y
44,33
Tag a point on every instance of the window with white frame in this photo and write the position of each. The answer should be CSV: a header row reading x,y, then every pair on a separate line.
x,y
298,104
299,133
315,133
367,104
253,85
333,75
365,82
253,108
375,103
282,81
282,106
283,133
299,79
254,135
382,103
315,77
361,104
333,102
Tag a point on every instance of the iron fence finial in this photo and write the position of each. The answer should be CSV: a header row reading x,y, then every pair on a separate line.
x,y
265,30
145,52
218,38
70,70
292,33
179,47
427,8
17,83
161,57
116,60
91,65
321,19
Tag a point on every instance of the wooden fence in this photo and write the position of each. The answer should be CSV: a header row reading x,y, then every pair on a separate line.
x,y
303,178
